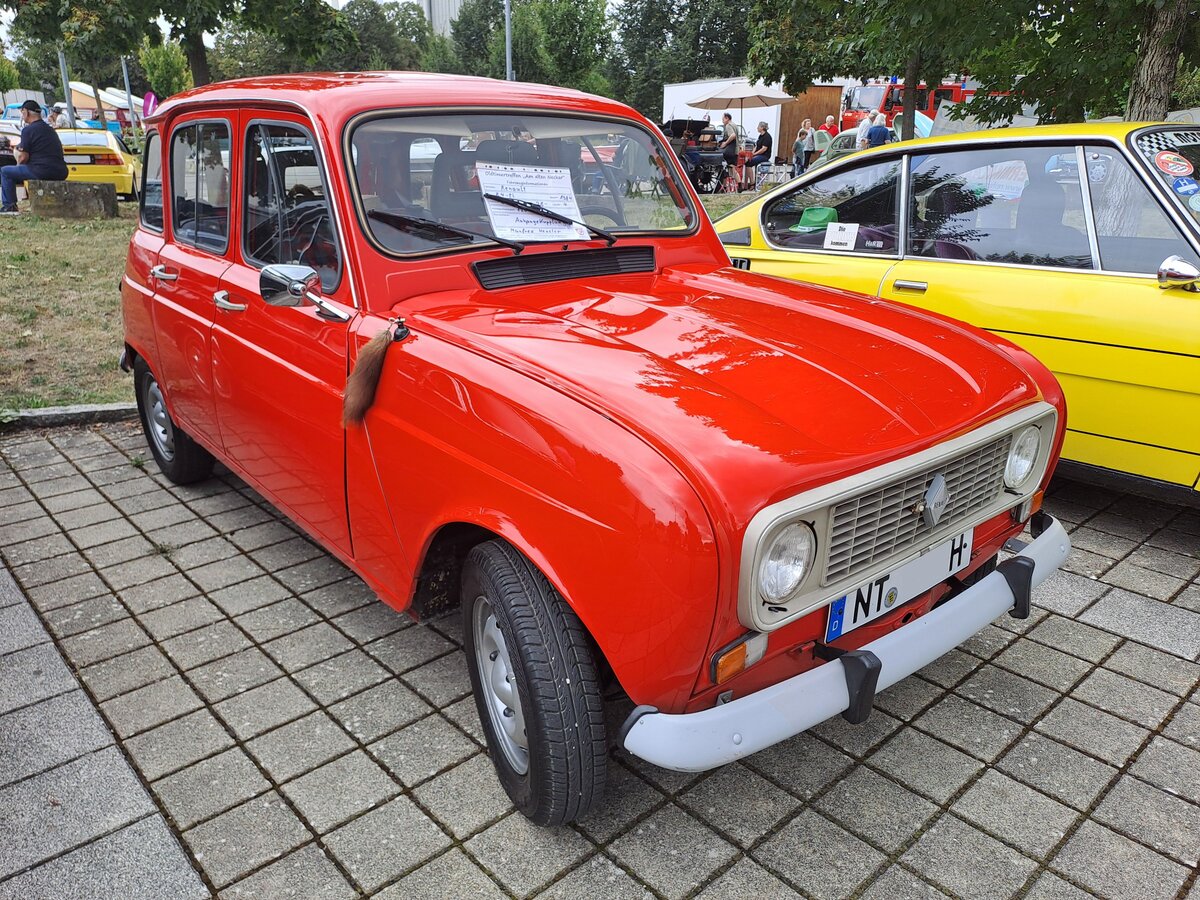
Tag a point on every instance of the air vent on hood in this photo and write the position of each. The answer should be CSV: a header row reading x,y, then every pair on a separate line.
x,y
537,268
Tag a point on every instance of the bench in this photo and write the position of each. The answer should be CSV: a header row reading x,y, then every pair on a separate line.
x,y
71,200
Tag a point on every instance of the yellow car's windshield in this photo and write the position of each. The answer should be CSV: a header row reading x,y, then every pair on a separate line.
x,y
1174,157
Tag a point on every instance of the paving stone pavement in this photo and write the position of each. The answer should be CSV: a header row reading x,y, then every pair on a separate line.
x,y
195,700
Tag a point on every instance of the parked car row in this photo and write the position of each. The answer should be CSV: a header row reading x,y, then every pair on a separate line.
x,y
428,319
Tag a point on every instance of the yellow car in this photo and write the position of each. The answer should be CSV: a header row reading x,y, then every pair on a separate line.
x,y
101,156
1095,275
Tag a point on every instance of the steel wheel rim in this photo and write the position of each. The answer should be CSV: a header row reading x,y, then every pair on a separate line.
x,y
498,687
162,432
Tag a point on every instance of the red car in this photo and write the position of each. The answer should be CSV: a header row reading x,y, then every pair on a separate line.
x,y
747,502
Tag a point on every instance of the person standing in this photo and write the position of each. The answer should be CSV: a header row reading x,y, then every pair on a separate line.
x,y
799,163
810,142
860,135
879,133
729,140
39,157
830,127
58,118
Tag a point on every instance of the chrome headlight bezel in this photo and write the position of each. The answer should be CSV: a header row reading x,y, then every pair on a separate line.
x,y
1019,468
803,534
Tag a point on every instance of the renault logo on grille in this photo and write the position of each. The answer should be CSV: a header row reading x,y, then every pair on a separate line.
x,y
936,499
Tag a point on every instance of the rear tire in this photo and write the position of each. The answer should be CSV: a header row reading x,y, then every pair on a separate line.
x,y
180,458
536,686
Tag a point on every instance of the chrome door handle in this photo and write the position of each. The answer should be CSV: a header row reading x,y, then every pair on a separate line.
x,y
160,272
221,298
902,285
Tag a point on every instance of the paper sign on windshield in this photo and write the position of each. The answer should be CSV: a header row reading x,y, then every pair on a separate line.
x,y
549,186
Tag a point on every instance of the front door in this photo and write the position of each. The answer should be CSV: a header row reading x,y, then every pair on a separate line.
x,y
189,269
280,371
1004,238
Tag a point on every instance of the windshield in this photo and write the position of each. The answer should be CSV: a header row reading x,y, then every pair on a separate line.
x,y
867,97
438,168
1174,158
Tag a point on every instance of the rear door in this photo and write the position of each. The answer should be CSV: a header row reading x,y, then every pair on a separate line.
x,y
837,229
189,267
280,371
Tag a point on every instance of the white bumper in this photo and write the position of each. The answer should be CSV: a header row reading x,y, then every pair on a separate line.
x,y
695,742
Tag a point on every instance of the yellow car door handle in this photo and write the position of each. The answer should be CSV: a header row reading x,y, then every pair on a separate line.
x,y
902,285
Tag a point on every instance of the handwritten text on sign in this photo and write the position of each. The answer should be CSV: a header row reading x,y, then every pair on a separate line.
x,y
549,186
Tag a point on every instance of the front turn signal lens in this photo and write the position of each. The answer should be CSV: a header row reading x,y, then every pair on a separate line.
x,y
735,659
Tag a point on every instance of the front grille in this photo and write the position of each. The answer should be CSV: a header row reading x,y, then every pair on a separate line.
x,y
538,268
881,522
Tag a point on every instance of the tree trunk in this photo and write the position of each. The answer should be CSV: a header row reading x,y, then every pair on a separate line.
x,y
912,78
99,106
1157,59
197,55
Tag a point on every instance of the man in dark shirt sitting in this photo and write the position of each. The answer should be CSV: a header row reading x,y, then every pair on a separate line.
x,y
39,157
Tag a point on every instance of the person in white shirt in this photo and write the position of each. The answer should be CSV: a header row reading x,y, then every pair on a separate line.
x,y
860,136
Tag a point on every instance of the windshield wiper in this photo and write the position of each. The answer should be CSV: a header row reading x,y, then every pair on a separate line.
x,y
414,223
548,213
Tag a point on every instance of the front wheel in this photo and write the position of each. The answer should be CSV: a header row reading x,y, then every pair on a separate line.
x,y
535,686
180,458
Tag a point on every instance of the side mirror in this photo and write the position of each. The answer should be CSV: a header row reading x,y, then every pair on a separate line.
x,y
1177,272
284,285
292,285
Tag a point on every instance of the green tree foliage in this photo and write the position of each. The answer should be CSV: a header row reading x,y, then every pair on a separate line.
x,y
561,42
659,43
1066,58
166,67
10,78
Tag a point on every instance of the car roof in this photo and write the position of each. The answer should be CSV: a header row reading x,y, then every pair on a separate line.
x,y
1074,131
334,97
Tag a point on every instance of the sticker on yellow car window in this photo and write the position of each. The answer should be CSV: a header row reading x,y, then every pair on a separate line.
x,y
1185,186
1172,163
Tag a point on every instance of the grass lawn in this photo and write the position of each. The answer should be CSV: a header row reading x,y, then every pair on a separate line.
x,y
60,310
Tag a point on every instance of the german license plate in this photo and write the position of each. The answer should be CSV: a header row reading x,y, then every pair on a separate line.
x,y
76,158
879,596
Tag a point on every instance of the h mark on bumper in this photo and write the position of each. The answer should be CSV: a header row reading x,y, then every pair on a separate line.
x,y
695,742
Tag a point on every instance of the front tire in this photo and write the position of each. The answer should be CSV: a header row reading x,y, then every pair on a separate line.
x,y
180,458
535,684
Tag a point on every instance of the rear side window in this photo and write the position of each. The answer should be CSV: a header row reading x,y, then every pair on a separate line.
x,y
200,185
1009,205
851,210
287,216
152,186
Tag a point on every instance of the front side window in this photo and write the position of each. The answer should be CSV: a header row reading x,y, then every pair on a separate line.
x,y
418,177
1133,232
152,188
200,185
851,210
1019,205
287,216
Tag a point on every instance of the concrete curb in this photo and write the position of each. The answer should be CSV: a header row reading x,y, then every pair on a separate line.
x,y
53,416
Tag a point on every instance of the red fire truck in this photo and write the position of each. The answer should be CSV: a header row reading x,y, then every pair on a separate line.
x,y
888,96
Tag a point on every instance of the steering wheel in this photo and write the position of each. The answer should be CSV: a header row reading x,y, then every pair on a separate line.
x,y
587,212
299,193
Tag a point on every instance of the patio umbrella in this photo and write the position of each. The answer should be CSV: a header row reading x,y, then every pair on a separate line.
x,y
739,95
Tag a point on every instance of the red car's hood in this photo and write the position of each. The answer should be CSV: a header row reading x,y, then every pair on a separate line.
x,y
769,385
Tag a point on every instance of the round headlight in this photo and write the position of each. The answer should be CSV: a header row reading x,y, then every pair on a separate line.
x,y
1022,456
785,562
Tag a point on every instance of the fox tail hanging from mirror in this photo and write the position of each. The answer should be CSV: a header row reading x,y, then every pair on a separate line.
x,y
368,368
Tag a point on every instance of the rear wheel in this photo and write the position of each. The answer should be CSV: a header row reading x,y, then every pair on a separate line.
x,y
180,458
536,686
